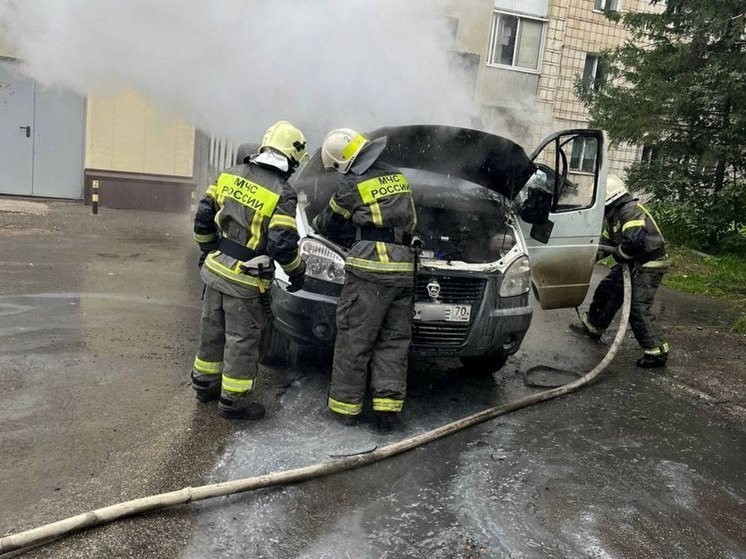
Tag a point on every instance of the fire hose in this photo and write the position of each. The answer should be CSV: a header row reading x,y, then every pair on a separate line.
x,y
134,507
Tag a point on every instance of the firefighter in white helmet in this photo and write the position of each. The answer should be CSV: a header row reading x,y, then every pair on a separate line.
x,y
637,241
376,305
246,223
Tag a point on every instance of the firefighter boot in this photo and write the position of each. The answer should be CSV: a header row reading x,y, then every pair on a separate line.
x,y
344,419
206,390
585,328
241,408
648,361
386,420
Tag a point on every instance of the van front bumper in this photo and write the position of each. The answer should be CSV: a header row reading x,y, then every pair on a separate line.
x,y
307,317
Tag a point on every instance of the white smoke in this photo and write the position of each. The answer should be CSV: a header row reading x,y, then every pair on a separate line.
x,y
233,67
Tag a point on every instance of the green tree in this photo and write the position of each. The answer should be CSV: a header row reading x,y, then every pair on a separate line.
x,y
679,85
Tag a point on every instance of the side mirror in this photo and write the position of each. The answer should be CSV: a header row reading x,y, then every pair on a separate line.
x,y
542,232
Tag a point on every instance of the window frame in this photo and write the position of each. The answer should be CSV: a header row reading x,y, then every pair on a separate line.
x,y
492,46
648,154
580,170
594,84
618,7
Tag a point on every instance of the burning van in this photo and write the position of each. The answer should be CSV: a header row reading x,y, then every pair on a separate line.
x,y
478,259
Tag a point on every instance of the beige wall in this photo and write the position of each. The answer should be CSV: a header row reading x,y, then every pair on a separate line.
x,y
5,49
474,24
125,132
575,30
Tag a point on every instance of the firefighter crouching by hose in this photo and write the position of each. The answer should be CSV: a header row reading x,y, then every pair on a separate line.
x,y
245,222
376,305
637,241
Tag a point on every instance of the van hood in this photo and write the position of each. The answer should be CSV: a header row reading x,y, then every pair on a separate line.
x,y
485,159
491,161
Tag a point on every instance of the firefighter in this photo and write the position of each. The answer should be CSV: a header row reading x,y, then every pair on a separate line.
x,y
376,304
632,232
246,222
243,153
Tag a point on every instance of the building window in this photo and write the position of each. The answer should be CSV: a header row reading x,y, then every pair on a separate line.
x,y
583,158
649,154
516,41
594,73
612,5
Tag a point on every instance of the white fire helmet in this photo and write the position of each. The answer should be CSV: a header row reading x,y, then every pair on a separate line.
x,y
615,189
340,148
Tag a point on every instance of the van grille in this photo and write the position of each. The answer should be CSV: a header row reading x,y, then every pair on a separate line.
x,y
453,289
440,334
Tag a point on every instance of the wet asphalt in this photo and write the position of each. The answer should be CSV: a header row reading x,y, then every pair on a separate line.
x,y
98,322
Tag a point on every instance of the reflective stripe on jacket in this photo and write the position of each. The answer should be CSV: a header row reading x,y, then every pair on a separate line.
x,y
381,198
629,226
255,207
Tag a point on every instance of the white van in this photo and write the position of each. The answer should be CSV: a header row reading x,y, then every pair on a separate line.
x,y
478,259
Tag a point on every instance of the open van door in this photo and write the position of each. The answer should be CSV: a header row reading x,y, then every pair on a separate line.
x,y
562,251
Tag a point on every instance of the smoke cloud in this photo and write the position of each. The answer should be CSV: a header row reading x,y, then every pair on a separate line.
x,y
233,67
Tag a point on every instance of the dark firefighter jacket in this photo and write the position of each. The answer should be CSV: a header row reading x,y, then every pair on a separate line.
x,y
630,228
380,204
254,207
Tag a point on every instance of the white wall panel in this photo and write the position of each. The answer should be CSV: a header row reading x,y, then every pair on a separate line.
x,y
538,8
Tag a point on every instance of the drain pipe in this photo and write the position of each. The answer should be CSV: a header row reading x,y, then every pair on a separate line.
x,y
111,513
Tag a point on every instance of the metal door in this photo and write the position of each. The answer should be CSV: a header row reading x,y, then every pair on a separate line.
x,y
58,144
16,132
562,252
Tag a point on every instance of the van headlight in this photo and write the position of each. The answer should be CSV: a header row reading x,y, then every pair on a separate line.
x,y
517,278
322,263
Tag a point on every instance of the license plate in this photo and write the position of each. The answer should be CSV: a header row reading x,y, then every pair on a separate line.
x,y
437,312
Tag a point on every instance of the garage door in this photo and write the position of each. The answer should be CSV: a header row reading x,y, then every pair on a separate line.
x,y
41,138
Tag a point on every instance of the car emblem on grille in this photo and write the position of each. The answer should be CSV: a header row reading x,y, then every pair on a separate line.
x,y
433,289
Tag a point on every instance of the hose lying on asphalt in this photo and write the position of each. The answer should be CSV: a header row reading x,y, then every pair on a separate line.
x,y
111,513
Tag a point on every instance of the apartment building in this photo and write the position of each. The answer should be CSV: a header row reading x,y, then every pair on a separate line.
x,y
531,54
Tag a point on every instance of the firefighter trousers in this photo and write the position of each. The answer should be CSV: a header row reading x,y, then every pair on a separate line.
x,y
373,328
230,334
608,299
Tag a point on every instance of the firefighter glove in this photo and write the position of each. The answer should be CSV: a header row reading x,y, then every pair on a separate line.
x,y
297,278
